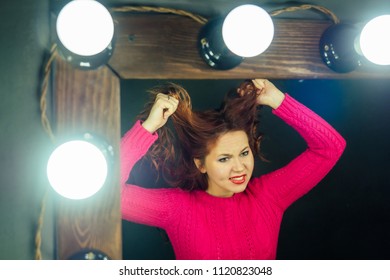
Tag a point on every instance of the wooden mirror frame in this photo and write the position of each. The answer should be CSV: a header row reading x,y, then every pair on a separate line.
x,y
164,46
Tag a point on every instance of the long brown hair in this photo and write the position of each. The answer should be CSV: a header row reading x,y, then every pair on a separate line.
x,y
190,134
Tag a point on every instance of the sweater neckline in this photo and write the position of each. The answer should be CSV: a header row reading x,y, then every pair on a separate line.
x,y
216,199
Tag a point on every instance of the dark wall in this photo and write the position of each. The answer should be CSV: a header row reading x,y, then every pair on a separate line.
x,y
24,31
347,215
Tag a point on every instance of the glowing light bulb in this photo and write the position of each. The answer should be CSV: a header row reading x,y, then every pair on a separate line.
x,y
375,40
248,30
85,27
77,169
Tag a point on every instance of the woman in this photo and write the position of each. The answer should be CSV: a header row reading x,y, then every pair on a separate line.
x,y
215,209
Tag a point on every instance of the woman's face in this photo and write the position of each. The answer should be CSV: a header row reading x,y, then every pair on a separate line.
x,y
229,165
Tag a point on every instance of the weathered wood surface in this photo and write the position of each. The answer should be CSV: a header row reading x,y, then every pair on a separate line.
x,y
89,101
162,46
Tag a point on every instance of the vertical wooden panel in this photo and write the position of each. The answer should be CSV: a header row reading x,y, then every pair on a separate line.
x,y
89,101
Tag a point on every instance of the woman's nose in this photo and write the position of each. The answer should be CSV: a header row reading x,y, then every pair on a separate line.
x,y
238,165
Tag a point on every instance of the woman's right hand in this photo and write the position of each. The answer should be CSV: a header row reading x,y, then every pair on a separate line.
x,y
163,107
269,94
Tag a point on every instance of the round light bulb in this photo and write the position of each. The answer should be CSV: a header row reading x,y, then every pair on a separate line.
x,y
77,169
375,40
85,27
248,30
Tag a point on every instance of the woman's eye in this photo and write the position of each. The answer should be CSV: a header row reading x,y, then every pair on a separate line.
x,y
244,154
223,159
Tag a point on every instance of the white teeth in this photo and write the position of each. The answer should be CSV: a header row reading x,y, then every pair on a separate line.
x,y
237,178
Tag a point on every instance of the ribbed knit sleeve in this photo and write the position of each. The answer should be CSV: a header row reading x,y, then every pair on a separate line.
x,y
134,145
324,148
142,205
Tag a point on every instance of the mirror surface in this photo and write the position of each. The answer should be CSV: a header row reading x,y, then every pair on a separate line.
x,y
348,207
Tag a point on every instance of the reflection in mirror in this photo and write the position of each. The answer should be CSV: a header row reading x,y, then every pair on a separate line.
x,y
140,241
330,220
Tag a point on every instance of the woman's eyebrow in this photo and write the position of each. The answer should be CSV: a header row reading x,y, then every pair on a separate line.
x,y
229,155
245,148
225,155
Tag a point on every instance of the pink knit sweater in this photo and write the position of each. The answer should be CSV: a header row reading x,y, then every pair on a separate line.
x,y
246,225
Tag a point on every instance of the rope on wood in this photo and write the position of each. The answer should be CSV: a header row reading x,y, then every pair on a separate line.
x,y
203,20
322,9
38,234
44,119
195,17
47,127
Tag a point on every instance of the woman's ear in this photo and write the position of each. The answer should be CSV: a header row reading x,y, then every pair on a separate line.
x,y
199,164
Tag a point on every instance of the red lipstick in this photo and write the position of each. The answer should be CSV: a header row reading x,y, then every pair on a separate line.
x,y
238,180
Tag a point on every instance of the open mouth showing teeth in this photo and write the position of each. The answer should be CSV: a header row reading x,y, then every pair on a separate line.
x,y
238,179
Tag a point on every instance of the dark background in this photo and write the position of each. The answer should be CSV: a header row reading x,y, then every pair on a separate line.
x,y
346,216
